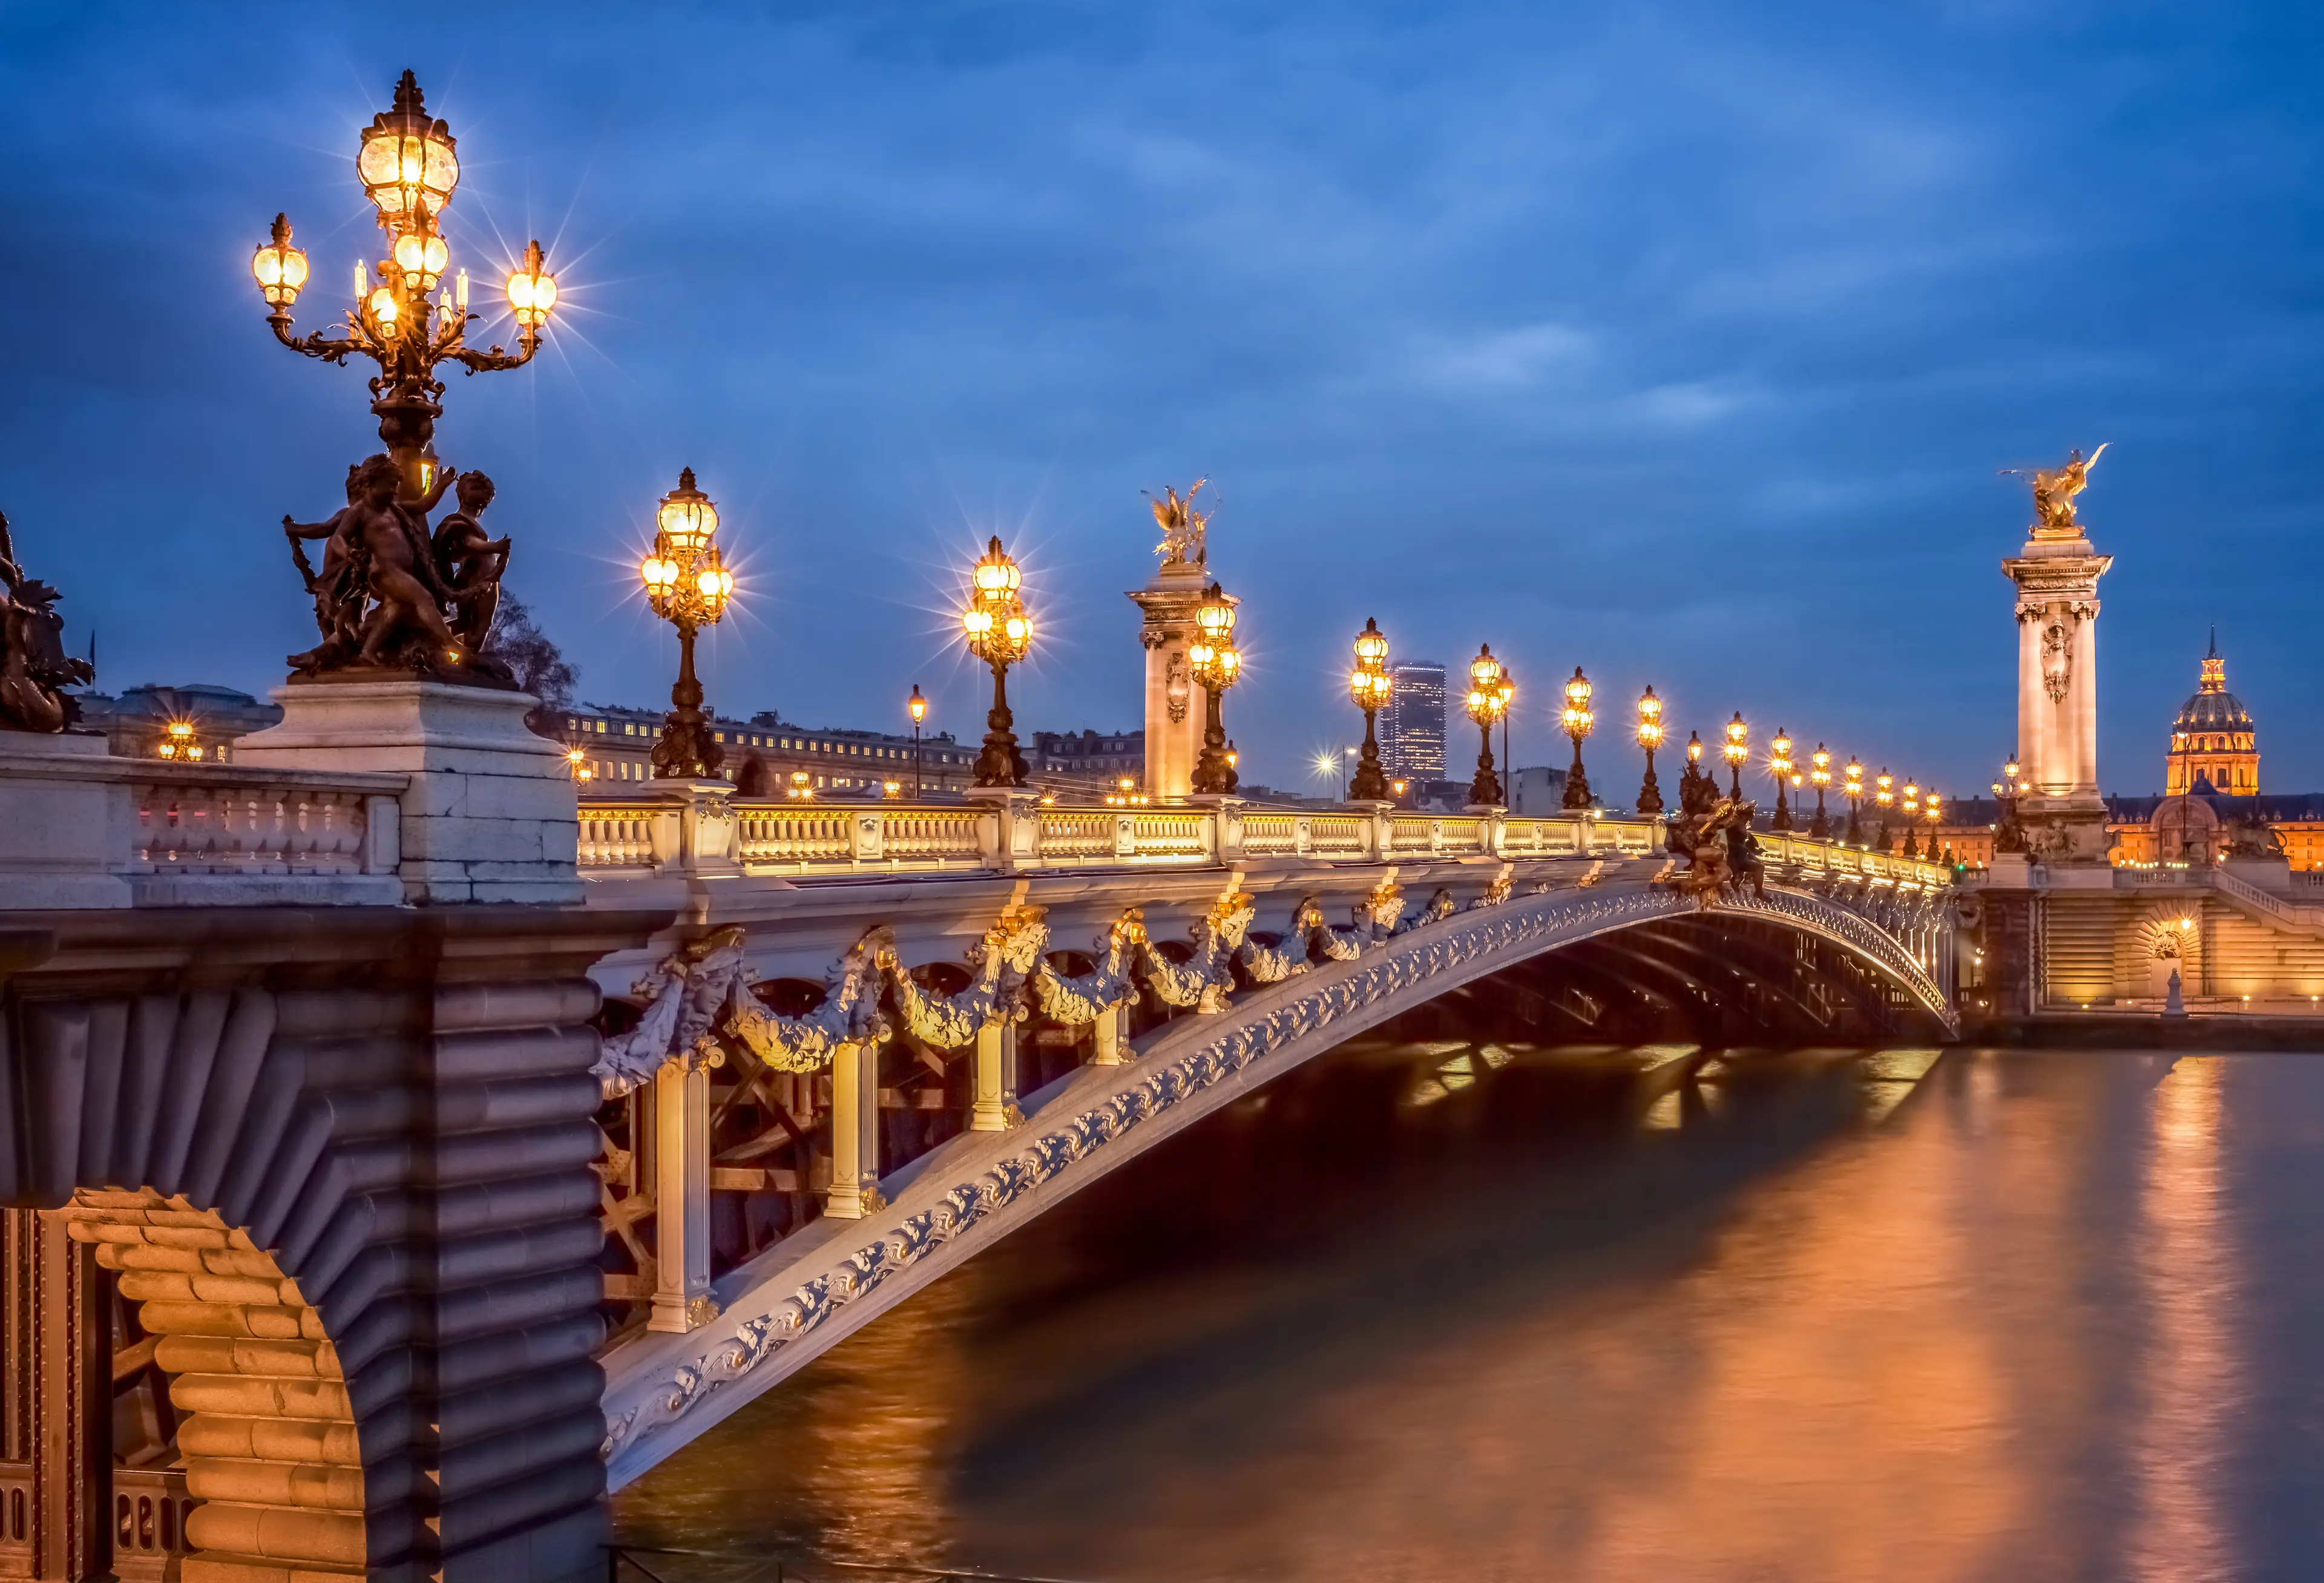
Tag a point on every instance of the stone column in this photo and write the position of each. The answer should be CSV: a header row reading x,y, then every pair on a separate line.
x,y
2057,575
56,1404
1174,712
681,1299
855,1190
995,1106
1109,1035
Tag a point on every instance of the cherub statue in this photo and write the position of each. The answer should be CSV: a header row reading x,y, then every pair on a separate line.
x,y
470,565
401,574
2054,491
34,668
338,589
1183,527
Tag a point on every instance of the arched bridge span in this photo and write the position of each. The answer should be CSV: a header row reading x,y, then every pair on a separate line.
x,y
779,1311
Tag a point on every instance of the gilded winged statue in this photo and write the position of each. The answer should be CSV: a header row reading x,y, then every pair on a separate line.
x,y
1182,527
2054,491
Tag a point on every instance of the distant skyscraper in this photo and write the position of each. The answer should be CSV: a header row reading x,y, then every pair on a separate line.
x,y
1415,722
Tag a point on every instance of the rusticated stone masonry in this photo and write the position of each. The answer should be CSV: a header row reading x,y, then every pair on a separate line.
x,y
340,1162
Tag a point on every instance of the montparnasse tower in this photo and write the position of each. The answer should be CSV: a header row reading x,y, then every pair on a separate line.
x,y
2214,745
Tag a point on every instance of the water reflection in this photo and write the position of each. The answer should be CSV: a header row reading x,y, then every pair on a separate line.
x,y
1444,1311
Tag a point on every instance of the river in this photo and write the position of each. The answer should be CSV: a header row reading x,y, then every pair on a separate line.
x,y
1439,1311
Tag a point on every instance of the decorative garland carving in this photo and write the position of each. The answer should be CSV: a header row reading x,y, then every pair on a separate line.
x,y
1082,997
1002,962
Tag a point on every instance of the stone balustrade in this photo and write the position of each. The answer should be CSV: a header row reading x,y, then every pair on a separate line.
x,y
646,831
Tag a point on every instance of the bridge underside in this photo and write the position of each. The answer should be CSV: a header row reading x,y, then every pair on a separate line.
x,y
1632,965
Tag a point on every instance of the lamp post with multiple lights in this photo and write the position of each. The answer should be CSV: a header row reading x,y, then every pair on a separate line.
x,y
1884,796
1000,633
1779,764
687,584
409,167
1852,785
1488,702
1370,686
1912,810
1737,751
1650,737
1217,665
1579,722
1931,811
1819,773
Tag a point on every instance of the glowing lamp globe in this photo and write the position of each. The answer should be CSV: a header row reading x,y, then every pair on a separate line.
x,y
278,268
406,159
532,290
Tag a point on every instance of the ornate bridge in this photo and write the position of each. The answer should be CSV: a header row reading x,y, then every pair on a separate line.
x,y
408,1226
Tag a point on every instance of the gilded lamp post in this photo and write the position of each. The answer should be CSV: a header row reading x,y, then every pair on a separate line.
x,y
1578,721
1820,775
1853,787
1487,704
407,162
1000,633
1737,751
1912,818
1931,811
1779,764
1650,737
1216,666
1370,686
687,584
1884,797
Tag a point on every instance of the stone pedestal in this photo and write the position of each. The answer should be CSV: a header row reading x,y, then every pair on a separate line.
x,y
491,813
62,841
1009,837
1174,704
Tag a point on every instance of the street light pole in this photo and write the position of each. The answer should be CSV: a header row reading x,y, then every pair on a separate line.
x,y
1819,772
1779,764
1000,633
1738,750
687,584
1650,737
1370,686
1579,723
919,706
1488,702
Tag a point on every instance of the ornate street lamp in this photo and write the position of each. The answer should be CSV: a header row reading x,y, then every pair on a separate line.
x,y
1779,762
918,708
1370,686
1650,737
1738,750
2011,835
1911,817
1000,633
1217,665
1579,723
1487,704
1853,786
1819,774
687,584
1883,794
1696,788
179,742
1931,811
408,166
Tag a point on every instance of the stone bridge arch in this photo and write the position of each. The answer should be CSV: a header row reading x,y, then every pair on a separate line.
x,y
781,1310
342,1175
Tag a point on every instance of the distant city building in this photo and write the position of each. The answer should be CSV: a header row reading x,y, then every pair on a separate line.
x,y
1536,792
2213,740
1086,761
137,723
616,744
1412,744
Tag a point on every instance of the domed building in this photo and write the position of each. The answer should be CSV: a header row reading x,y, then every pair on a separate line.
x,y
2214,746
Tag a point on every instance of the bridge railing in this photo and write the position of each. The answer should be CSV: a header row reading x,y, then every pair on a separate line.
x,y
693,825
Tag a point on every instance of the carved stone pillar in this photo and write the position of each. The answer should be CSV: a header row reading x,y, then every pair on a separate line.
x,y
1174,714
855,1190
56,1405
2057,577
681,1299
995,1106
1109,1034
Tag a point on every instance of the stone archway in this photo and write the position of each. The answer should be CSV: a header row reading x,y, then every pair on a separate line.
x,y
266,1428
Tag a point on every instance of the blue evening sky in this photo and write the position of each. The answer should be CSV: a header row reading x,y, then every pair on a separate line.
x,y
1679,341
